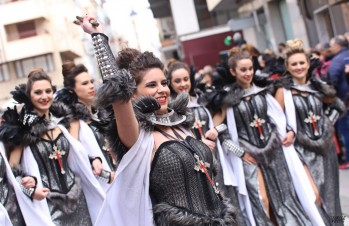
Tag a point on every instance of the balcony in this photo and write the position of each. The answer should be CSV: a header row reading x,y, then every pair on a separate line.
x,y
71,47
19,11
28,47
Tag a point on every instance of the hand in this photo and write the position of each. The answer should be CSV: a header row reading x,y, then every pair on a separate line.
x,y
211,144
249,159
28,182
40,193
211,134
346,69
97,167
288,139
112,177
87,24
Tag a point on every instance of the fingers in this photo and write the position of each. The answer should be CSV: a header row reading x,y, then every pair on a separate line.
x,y
211,134
28,182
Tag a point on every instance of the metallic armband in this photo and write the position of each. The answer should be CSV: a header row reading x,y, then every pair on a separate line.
x,y
229,145
333,116
28,191
221,128
104,176
105,58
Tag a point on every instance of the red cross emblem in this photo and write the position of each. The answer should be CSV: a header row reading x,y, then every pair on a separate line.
x,y
312,118
57,154
258,122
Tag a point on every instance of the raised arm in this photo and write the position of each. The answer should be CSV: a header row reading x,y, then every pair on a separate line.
x,y
118,85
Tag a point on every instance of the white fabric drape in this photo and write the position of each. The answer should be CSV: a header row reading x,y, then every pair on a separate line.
x,y
300,179
235,163
128,201
90,144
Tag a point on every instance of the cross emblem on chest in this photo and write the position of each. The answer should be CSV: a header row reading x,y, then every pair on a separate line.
x,y
312,118
57,155
258,122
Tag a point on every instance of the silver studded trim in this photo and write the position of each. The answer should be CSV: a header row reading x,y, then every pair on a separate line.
x,y
230,146
104,55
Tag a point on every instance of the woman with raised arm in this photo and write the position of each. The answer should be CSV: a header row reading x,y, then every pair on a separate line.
x,y
78,94
66,191
165,176
312,108
250,109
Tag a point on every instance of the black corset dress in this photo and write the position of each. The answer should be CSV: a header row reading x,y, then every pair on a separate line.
x,y
66,199
316,148
182,194
258,136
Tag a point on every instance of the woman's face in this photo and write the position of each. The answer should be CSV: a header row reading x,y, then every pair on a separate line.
x,y
298,66
41,96
84,88
243,72
180,81
155,84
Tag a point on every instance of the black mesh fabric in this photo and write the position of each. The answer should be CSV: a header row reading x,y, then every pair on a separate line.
x,y
50,171
174,181
3,182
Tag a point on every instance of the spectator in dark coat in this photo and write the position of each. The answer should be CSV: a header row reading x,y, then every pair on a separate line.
x,y
339,47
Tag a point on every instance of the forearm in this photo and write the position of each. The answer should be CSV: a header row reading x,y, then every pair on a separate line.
x,y
127,124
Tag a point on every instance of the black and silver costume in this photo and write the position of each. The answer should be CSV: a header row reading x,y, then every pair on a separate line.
x,y
314,141
179,186
257,135
66,200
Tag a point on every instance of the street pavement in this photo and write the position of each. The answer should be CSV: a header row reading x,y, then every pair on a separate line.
x,y
344,193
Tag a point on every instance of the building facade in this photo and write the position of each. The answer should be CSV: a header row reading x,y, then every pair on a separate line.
x,y
33,34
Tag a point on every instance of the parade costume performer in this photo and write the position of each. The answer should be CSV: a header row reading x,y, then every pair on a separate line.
x,y
78,94
180,81
168,173
10,213
311,107
260,122
69,193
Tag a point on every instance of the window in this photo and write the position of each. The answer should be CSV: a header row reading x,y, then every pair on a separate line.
x,y
4,73
26,29
23,67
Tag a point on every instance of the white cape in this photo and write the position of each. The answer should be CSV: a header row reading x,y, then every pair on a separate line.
x,y
128,202
90,144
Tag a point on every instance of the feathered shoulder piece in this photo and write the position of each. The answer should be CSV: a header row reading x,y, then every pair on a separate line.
x,y
145,108
20,95
236,93
323,87
23,128
314,83
66,96
10,128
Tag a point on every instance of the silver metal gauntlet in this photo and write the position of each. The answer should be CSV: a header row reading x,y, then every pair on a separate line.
x,y
104,177
28,191
105,58
230,146
333,116
221,128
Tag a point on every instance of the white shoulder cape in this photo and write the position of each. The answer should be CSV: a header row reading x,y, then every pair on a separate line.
x,y
128,202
